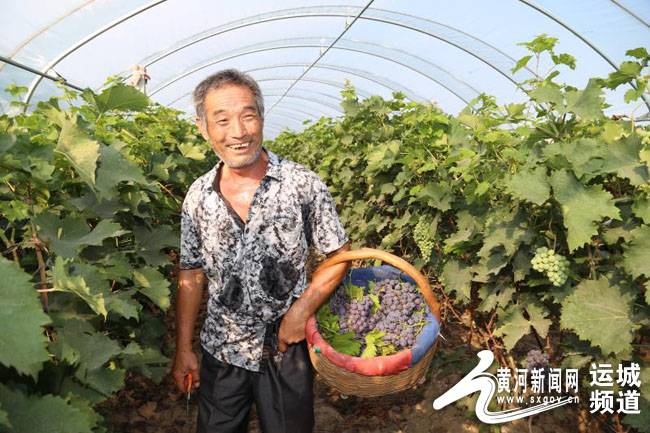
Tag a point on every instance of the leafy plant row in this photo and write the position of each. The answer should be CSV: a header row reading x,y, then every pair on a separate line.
x,y
471,198
89,213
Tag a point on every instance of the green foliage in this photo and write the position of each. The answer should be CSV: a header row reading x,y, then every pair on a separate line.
x,y
90,209
489,187
44,414
601,312
22,343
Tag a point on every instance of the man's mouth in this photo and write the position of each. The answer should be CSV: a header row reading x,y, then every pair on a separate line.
x,y
238,146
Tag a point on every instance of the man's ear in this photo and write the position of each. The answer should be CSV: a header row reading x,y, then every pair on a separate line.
x,y
202,128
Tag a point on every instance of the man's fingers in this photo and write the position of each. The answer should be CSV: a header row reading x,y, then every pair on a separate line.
x,y
282,346
179,380
196,379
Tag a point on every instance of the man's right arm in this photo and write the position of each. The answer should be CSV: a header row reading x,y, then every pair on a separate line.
x,y
188,300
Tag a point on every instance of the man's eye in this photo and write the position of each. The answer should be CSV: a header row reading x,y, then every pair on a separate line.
x,y
221,121
250,117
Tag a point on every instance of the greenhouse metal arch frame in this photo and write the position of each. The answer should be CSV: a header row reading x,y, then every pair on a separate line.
x,y
471,42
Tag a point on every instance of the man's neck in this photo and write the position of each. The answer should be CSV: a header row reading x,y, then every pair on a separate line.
x,y
246,175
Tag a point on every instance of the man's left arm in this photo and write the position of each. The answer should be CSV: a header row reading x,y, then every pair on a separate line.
x,y
323,283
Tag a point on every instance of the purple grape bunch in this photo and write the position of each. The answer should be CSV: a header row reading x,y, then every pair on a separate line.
x,y
536,360
402,312
399,313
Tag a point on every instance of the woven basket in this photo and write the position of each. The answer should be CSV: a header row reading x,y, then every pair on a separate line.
x,y
352,383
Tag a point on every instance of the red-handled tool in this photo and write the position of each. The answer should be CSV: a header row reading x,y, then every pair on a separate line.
x,y
189,392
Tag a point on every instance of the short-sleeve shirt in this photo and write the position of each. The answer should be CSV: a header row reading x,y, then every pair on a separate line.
x,y
255,269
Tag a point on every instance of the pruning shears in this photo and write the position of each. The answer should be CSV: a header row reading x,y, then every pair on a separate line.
x,y
189,393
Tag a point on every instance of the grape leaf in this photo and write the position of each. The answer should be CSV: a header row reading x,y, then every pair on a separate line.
x,y
581,207
515,325
79,149
457,276
191,151
600,312
103,380
547,93
586,103
114,168
436,194
68,235
345,343
612,131
150,363
14,210
153,285
530,185
328,322
619,230
4,418
641,208
490,263
623,159
22,342
536,312
521,265
510,233
636,259
586,155
123,304
354,292
372,340
77,285
376,305
498,295
121,97
42,414
151,241
521,63
105,209
78,342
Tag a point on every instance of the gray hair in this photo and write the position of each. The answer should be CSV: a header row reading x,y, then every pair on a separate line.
x,y
223,78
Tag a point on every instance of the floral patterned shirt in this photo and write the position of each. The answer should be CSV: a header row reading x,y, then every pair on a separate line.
x,y
256,269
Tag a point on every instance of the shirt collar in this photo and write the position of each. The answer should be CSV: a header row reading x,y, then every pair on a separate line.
x,y
272,170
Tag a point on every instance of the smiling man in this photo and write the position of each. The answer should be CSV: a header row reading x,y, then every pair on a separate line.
x,y
247,228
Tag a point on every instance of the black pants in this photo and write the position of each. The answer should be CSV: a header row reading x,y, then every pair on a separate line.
x,y
284,399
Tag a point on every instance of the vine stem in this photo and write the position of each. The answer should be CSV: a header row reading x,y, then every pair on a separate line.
x,y
45,302
41,269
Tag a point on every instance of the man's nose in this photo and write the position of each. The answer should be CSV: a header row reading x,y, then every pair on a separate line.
x,y
238,128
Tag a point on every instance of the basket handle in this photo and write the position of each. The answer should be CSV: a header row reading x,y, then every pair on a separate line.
x,y
391,259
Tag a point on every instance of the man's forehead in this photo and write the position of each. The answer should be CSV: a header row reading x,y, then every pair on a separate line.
x,y
230,98
230,95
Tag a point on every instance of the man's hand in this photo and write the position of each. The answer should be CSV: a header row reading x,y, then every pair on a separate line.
x,y
188,299
185,363
292,327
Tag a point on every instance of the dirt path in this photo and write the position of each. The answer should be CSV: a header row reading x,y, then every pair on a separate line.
x,y
144,407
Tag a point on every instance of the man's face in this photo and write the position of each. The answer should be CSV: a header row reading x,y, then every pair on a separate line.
x,y
232,125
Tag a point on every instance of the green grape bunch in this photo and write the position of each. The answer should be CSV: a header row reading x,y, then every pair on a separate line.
x,y
554,266
645,136
422,238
